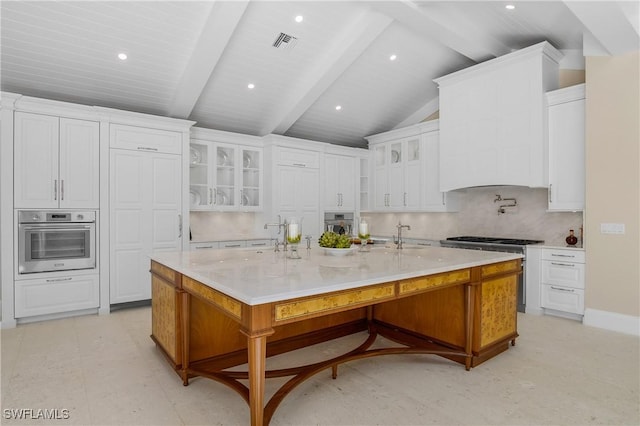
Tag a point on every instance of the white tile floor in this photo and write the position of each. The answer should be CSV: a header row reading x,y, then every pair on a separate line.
x,y
105,370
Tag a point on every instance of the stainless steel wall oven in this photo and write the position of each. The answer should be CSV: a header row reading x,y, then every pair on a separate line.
x,y
56,241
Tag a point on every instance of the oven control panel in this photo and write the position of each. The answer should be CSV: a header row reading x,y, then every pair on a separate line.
x,y
32,216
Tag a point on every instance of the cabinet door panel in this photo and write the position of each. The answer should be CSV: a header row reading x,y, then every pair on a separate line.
x,y
563,273
145,207
79,163
53,295
566,156
36,161
563,299
129,276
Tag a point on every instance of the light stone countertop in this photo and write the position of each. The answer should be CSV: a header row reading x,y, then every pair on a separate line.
x,y
256,276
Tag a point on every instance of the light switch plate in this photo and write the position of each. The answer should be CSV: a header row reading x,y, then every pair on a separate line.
x,y
612,228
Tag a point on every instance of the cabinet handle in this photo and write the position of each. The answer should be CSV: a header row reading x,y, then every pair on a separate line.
x,y
210,196
55,190
563,255
258,244
563,264
62,189
147,148
179,226
203,247
568,290
215,196
55,280
300,164
231,245
340,199
550,185
404,200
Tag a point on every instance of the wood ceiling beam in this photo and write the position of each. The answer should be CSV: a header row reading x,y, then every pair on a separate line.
x,y
466,41
608,25
216,33
325,70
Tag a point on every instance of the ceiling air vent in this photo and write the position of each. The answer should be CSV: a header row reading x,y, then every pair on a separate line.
x,y
285,41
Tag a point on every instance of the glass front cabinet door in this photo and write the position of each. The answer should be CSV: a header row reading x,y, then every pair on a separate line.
x,y
225,177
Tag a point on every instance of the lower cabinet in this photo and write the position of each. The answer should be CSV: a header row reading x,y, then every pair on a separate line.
x,y
562,280
54,295
165,308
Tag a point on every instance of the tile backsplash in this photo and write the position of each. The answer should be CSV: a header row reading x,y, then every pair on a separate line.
x,y
478,215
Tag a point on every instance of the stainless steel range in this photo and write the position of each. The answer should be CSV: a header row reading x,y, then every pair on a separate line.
x,y
507,245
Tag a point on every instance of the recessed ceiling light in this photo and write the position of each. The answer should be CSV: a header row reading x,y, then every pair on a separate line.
x,y
393,57
299,18
510,6
251,85
338,107
122,56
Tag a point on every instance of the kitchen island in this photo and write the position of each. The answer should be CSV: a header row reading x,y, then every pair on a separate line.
x,y
216,309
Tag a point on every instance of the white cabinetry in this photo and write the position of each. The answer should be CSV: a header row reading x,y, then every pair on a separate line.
x,y
566,109
492,120
406,170
562,279
294,179
340,183
53,295
364,183
397,174
225,176
145,206
56,162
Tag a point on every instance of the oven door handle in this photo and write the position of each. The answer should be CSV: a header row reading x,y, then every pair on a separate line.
x,y
49,227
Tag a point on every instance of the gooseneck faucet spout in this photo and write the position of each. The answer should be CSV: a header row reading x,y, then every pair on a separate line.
x,y
400,226
280,225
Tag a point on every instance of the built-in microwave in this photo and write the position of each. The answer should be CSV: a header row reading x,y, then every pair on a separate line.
x,y
56,241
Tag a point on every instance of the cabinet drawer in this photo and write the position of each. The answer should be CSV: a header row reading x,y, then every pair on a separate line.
x,y
143,139
55,295
563,273
563,255
201,246
232,244
258,243
298,158
563,299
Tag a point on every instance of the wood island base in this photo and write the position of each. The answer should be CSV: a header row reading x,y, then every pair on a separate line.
x,y
466,315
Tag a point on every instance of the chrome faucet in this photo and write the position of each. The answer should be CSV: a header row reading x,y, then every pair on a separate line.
x,y
400,226
281,225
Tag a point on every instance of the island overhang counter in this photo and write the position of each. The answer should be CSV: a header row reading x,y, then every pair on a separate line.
x,y
216,309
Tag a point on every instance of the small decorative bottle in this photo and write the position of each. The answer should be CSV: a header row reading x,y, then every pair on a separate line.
x,y
571,239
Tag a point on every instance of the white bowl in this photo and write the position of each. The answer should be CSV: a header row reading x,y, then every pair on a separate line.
x,y
339,251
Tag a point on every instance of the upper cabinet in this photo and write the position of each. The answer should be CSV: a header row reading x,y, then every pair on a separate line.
x,y
566,148
406,170
340,182
293,177
225,175
493,120
56,162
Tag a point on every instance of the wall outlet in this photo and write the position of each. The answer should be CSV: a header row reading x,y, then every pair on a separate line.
x,y
612,228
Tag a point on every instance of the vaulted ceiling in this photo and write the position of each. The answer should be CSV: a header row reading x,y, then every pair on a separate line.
x,y
195,60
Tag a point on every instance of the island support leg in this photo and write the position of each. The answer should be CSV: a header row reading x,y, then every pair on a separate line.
x,y
257,351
